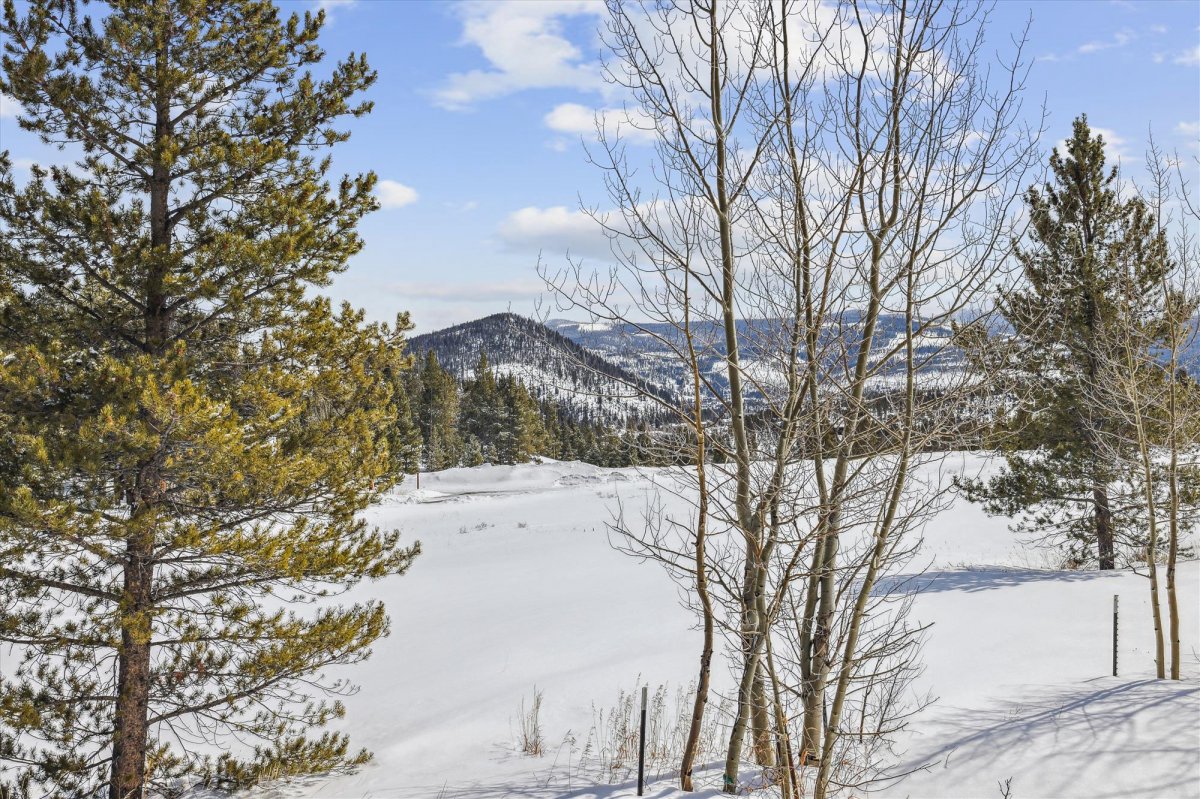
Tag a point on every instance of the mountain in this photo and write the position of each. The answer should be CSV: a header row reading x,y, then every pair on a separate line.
x,y
649,350
587,385
590,369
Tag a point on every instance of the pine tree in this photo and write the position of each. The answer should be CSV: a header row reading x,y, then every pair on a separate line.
x,y
523,432
472,451
405,442
437,415
481,416
553,427
1093,258
187,433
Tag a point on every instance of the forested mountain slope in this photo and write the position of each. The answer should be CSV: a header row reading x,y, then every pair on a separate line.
x,y
553,368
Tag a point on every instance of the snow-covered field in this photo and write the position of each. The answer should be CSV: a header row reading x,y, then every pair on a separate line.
x,y
520,587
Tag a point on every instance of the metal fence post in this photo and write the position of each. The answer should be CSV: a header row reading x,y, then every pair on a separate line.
x,y
1115,612
642,746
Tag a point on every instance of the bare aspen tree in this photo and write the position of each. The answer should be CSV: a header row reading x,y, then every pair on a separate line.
x,y
704,677
909,165
1182,295
1144,382
1148,383
1135,387
830,188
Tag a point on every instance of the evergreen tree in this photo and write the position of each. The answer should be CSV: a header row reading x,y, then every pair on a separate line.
x,y
1093,259
523,433
553,427
481,416
186,433
405,442
472,451
437,414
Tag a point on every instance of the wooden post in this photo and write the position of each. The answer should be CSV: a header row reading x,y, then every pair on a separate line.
x,y
1115,611
642,747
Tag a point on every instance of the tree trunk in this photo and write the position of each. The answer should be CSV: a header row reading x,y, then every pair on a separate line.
x,y
131,718
760,716
128,775
814,708
1172,556
760,720
737,734
1152,548
750,524
1104,531
1173,517
692,746
811,727
789,781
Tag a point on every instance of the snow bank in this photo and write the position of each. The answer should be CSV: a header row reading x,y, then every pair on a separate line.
x,y
520,587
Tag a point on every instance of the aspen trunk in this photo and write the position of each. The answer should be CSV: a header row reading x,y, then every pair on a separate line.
x,y
1172,556
814,706
1173,514
789,780
760,721
1152,550
737,734
692,746
750,526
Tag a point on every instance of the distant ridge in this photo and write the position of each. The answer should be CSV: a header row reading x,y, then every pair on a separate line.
x,y
588,386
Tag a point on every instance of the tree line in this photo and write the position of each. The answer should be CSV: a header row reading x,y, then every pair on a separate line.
x,y
443,422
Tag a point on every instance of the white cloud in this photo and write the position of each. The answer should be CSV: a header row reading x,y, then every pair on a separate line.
x,y
623,123
1115,146
1190,58
526,48
1188,128
9,108
392,194
571,118
1119,39
556,230
331,6
469,292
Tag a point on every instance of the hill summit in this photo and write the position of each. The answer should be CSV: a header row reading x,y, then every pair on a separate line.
x,y
589,387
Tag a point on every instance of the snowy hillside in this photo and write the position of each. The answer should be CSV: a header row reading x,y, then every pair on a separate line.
x,y
592,368
520,588
647,351
552,367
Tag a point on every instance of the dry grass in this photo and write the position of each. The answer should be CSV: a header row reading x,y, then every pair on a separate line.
x,y
531,740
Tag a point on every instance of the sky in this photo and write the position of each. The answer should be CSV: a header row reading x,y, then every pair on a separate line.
x,y
482,108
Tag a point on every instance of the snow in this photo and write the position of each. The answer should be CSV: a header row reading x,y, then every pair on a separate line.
x,y
620,400
519,586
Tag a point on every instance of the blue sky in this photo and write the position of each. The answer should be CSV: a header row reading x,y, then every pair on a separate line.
x,y
480,107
